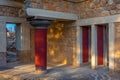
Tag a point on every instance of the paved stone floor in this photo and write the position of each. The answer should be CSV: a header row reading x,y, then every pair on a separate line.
x,y
27,72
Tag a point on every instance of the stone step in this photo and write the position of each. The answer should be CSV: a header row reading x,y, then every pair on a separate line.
x,y
12,59
11,53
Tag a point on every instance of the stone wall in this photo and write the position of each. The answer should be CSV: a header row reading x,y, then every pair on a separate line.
x,y
117,46
2,58
2,44
61,44
9,11
54,5
98,8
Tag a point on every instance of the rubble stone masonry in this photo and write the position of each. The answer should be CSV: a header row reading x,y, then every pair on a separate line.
x,y
9,11
54,5
61,44
98,8
117,46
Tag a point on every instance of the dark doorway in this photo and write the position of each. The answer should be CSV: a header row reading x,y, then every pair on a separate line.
x,y
86,44
102,44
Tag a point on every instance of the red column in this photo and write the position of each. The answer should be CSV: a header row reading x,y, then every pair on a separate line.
x,y
40,49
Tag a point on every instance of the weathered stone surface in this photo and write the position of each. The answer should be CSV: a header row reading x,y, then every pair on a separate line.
x,y
2,37
12,11
117,46
55,5
98,8
2,58
61,44
24,56
9,11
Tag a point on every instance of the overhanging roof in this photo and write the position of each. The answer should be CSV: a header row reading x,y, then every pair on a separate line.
x,y
50,15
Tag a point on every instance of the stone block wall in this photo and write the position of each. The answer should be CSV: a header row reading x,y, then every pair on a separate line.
x,y
98,8
61,44
2,58
54,5
2,44
9,11
117,46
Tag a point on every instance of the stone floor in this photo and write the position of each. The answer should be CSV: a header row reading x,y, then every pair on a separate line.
x,y
27,72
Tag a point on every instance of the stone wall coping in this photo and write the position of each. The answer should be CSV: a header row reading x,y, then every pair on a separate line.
x,y
11,3
99,20
48,14
12,19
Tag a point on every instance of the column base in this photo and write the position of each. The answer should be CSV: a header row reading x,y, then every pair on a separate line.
x,y
41,70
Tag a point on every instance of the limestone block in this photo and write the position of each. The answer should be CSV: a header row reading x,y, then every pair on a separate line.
x,y
118,6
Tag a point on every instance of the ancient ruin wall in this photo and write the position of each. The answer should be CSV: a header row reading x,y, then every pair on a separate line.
x,y
61,44
98,8
54,5
117,46
9,11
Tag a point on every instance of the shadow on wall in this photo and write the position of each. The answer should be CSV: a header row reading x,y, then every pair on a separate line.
x,y
61,44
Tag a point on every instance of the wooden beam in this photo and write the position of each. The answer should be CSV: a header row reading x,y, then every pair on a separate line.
x,y
12,19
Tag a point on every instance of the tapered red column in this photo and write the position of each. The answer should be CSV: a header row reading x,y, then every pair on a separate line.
x,y
93,47
41,49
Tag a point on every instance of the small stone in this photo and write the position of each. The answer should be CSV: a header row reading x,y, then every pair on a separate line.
x,y
118,6
113,12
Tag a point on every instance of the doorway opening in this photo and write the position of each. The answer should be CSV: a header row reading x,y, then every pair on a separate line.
x,y
86,44
102,45
11,55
